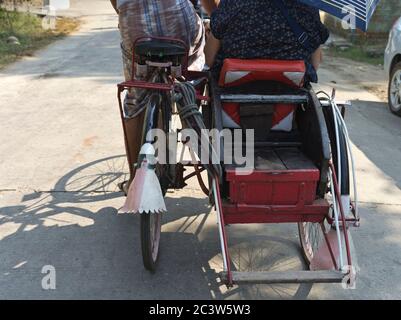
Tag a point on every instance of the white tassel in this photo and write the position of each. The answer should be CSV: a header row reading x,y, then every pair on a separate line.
x,y
145,194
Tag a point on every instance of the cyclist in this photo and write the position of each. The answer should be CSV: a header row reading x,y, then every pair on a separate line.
x,y
168,18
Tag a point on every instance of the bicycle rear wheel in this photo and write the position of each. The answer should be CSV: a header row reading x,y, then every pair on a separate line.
x,y
312,237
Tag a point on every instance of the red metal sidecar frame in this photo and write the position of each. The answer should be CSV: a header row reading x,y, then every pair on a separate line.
x,y
295,177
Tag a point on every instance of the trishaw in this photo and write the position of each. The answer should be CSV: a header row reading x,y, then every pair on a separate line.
x,y
302,170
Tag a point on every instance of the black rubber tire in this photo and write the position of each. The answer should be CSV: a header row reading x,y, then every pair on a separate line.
x,y
345,178
150,247
310,241
396,69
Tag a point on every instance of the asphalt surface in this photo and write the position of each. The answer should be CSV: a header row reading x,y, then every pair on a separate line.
x,y
62,155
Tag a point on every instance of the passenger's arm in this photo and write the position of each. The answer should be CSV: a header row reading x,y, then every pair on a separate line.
x,y
210,5
317,58
114,4
211,49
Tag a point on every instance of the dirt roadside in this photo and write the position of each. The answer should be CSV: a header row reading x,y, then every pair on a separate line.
x,y
366,76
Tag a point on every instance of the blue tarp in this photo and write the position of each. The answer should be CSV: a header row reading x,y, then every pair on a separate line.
x,y
360,11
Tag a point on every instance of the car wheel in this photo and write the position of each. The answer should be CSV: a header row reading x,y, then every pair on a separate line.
x,y
394,90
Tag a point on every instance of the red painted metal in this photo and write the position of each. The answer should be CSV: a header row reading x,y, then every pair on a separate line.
x,y
245,213
146,85
273,187
245,71
120,107
154,86
274,196
200,97
325,258
190,75
331,245
232,109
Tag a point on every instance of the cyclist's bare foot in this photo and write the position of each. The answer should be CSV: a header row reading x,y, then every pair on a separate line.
x,y
123,186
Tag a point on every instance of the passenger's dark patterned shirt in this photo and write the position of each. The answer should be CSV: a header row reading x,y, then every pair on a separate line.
x,y
251,29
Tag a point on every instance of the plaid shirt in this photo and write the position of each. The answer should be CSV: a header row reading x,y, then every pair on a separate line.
x,y
169,18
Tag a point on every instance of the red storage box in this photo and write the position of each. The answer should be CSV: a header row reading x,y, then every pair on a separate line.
x,y
273,187
282,176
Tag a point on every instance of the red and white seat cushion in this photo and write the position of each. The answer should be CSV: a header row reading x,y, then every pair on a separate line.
x,y
236,72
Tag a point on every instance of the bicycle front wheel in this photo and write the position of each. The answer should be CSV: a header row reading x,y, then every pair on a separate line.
x,y
156,117
150,239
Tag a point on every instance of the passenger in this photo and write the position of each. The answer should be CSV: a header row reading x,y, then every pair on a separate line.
x,y
251,29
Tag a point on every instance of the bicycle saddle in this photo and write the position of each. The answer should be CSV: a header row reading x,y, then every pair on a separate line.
x,y
159,48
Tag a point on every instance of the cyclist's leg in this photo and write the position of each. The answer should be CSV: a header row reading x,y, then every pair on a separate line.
x,y
133,116
196,59
133,140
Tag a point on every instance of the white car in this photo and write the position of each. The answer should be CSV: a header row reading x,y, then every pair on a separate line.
x,y
392,67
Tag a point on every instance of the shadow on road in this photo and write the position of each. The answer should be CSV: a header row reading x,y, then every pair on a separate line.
x,y
96,252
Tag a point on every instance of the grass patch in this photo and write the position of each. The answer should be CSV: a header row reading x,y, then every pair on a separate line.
x,y
362,53
28,29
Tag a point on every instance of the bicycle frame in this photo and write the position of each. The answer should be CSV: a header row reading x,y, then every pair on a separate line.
x,y
188,74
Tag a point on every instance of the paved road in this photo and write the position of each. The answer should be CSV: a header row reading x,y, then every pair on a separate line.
x,y
62,156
